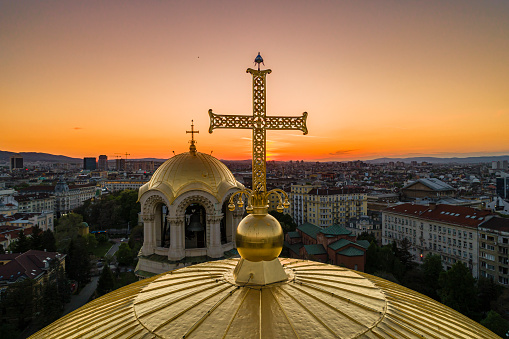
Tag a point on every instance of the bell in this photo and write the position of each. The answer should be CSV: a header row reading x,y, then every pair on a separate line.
x,y
195,225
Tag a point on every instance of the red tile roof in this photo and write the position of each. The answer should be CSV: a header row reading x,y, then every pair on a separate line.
x,y
497,224
457,215
30,264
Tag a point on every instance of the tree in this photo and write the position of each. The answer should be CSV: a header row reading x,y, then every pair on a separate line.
x,y
36,239
488,292
67,230
48,241
51,306
106,281
125,255
91,241
77,262
496,323
22,244
432,268
18,303
403,253
369,236
8,331
285,220
458,290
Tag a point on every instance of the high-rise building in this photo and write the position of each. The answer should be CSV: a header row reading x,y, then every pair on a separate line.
x,y
503,186
16,162
103,162
89,164
120,165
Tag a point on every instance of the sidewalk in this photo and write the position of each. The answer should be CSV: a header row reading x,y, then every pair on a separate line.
x,y
78,300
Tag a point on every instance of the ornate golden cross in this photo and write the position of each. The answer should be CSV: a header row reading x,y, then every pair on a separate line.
x,y
259,122
192,131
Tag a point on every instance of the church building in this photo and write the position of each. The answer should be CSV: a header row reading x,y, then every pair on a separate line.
x,y
184,210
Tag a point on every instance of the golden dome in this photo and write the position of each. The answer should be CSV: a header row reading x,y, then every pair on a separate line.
x,y
317,301
191,171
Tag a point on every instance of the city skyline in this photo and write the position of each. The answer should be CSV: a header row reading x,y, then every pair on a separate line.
x,y
396,79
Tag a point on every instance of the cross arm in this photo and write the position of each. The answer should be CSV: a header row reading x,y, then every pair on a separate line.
x,y
249,122
287,123
230,121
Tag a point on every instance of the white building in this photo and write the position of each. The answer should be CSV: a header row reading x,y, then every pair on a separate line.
x,y
446,230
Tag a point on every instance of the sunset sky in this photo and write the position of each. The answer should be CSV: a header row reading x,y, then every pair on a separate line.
x,y
378,78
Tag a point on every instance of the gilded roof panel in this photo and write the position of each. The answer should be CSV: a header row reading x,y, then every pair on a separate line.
x,y
318,300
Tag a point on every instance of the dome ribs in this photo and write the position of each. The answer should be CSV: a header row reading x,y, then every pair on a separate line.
x,y
328,292
317,319
445,322
284,313
317,301
173,291
246,292
216,305
185,296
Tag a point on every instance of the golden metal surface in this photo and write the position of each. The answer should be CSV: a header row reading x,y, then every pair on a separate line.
x,y
259,273
259,122
192,148
189,171
259,237
317,301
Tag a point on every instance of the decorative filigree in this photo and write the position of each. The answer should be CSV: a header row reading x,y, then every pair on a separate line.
x,y
148,217
214,219
209,207
259,122
249,194
177,221
249,122
150,204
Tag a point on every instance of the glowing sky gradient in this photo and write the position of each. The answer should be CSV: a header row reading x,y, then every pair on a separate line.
x,y
378,78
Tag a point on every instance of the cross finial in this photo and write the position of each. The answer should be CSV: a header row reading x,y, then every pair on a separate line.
x,y
192,148
259,60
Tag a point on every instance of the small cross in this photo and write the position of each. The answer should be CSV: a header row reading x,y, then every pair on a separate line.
x,y
192,148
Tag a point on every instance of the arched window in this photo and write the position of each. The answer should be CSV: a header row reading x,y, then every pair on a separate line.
x,y
195,226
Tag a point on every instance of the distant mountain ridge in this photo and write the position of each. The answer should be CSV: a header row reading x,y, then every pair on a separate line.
x,y
46,157
36,156
435,160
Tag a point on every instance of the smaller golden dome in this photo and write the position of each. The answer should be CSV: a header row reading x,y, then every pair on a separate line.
x,y
191,171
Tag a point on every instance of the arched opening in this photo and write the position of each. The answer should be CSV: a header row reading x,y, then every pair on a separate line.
x,y
226,224
162,226
196,226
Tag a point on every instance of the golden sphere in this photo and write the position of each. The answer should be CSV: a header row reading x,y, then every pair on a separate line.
x,y
259,237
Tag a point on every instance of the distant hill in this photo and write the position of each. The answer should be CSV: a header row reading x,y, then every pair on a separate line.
x,y
36,156
434,160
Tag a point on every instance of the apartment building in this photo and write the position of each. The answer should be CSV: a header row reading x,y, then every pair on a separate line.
x,y
38,202
493,249
447,230
120,185
326,206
